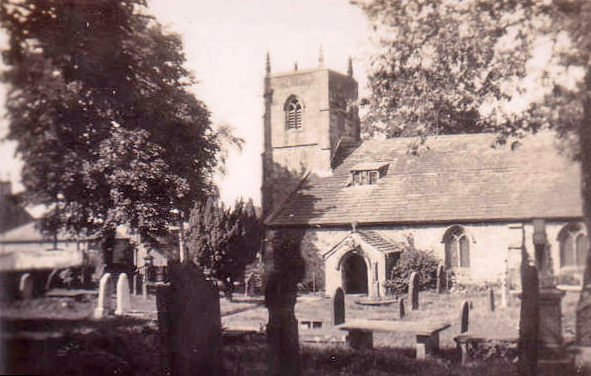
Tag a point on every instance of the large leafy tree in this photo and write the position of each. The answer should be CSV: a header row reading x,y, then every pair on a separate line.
x,y
224,240
509,67
101,110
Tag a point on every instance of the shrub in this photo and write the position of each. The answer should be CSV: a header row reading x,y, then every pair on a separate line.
x,y
413,260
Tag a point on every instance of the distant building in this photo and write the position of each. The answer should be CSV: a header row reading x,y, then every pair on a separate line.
x,y
469,203
12,213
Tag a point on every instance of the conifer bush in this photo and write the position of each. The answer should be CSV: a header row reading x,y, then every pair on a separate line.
x,y
412,260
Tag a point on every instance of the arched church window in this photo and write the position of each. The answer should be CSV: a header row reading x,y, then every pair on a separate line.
x,y
457,248
574,245
293,112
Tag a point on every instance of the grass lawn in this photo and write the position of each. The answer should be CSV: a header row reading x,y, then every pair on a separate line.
x,y
131,345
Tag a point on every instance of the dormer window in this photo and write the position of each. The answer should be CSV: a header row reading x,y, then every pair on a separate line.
x,y
293,113
368,173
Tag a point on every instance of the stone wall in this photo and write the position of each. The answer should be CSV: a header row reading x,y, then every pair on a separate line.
x,y
492,246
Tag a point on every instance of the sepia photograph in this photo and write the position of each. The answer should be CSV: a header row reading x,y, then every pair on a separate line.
x,y
295,187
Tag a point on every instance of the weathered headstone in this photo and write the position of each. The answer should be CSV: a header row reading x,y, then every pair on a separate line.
x,y
529,321
247,284
401,312
337,301
440,279
413,290
138,284
26,287
190,325
491,295
464,316
123,299
145,287
104,299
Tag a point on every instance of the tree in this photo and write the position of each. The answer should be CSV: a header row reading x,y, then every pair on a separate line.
x,y
100,108
224,240
507,67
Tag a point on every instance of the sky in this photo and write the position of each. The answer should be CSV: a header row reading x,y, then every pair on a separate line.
x,y
225,43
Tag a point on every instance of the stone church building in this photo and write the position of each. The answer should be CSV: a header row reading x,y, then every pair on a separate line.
x,y
355,202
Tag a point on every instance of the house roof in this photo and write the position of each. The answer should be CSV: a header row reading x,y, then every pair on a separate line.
x,y
458,178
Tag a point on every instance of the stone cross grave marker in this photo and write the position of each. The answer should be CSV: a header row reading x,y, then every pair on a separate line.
x,y
338,307
492,299
26,287
104,299
413,290
401,308
123,299
464,316
440,279
190,324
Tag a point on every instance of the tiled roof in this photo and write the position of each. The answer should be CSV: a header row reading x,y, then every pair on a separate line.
x,y
378,242
459,178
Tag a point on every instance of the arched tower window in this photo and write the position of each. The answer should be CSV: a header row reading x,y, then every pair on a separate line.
x,y
573,245
293,112
457,248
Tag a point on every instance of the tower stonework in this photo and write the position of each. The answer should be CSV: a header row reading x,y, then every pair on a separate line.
x,y
310,119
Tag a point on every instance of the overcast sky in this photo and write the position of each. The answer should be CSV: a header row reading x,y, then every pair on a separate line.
x,y
225,43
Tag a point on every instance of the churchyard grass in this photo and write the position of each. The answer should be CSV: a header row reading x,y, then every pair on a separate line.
x,y
130,345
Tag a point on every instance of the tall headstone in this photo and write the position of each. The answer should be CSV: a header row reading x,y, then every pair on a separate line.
x,y
138,284
464,316
440,279
104,298
123,299
337,301
491,294
529,321
189,320
247,284
26,288
401,312
413,290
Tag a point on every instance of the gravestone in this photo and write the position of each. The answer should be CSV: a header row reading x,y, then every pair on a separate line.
x,y
247,284
529,321
145,287
337,311
189,322
464,316
138,284
492,299
413,290
123,299
26,288
440,279
401,312
104,298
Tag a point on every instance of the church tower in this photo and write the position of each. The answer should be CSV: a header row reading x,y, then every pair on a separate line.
x,y
310,119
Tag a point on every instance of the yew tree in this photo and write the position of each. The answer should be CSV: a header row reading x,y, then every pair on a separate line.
x,y
99,104
224,240
508,67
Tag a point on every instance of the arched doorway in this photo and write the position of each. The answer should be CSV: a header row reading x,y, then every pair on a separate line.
x,y
355,274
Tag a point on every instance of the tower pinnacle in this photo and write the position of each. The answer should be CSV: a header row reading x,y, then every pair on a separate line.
x,y
268,63
350,67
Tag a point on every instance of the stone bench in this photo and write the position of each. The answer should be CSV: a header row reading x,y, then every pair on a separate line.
x,y
361,333
464,339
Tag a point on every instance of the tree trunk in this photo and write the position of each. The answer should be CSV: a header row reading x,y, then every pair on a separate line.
x,y
584,306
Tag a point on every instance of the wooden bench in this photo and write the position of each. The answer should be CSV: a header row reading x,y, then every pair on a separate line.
x,y
464,339
361,333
